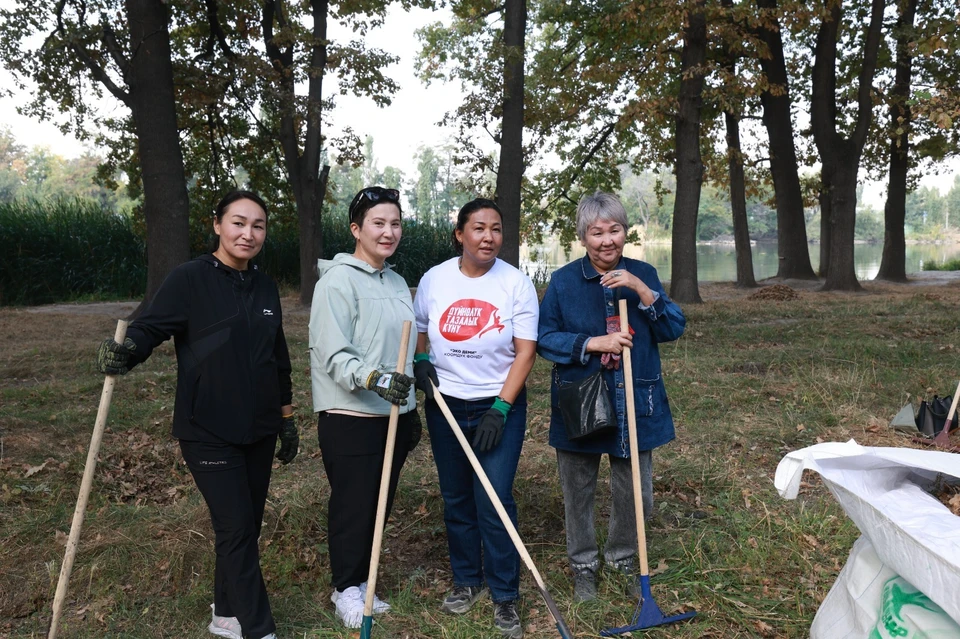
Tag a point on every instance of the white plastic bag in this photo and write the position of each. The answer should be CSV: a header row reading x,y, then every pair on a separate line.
x,y
911,534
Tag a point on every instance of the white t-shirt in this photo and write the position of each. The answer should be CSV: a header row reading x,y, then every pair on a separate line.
x,y
471,323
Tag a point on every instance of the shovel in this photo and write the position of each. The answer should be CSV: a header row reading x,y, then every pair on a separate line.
x,y
367,623
85,485
648,613
502,512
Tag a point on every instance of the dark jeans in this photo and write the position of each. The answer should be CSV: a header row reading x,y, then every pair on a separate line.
x,y
233,480
480,547
578,480
353,449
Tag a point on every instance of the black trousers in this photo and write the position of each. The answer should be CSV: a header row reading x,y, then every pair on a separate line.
x,y
233,480
353,450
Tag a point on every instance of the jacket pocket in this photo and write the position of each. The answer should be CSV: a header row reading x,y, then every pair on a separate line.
x,y
650,396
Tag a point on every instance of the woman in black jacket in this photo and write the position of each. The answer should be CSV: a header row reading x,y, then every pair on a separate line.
x,y
233,397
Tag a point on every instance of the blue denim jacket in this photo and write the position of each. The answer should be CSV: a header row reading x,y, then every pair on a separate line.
x,y
570,314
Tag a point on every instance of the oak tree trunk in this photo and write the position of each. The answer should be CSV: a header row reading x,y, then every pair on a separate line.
x,y
689,164
153,107
510,169
308,180
840,156
791,226
893,263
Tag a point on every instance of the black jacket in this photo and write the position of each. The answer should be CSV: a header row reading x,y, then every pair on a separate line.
x,y
233,368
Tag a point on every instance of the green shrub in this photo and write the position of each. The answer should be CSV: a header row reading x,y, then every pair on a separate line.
x,y
63,250
949,265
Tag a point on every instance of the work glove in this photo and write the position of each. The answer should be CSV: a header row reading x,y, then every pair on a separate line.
x,y
416,429
393,387
114,358
289,440
490,431
425,372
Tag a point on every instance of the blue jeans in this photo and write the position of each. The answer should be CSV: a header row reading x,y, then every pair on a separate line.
x,y
480,547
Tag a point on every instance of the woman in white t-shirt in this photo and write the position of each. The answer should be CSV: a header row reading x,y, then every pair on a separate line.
x,y
480,316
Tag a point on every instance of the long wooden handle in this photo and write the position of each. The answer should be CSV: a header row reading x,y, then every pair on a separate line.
x,y
385,480
501,511
943,438
85,485
953,406
634,449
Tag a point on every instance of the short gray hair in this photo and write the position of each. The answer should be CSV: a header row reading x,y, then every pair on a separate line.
x,y
599,206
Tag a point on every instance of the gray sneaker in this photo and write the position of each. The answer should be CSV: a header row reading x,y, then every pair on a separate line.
x,y
462,598
584,585
506,619
628,570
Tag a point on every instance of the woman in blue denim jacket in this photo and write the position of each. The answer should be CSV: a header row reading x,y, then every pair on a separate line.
x,y
580,332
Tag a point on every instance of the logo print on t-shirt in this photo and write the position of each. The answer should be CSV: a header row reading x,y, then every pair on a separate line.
x,y
467,318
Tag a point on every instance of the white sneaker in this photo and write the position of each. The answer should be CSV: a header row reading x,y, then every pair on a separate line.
x,y
349,605
228,627
379,606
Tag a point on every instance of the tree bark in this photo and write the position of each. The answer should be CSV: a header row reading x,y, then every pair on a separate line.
x,y
738,197
738,203
510,169
153,107
893,263
791,226
689,164
841,156
307,180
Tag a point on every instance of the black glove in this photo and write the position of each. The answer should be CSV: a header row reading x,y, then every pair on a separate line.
x,y
490,431
425,372
393,387
114,358
416,429
289,440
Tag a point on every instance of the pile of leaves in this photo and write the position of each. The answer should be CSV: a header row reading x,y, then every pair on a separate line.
x,y
142,470
949,496
777,292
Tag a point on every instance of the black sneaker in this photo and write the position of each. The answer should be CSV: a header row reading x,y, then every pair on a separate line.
x,y
584,585
462,598
506,619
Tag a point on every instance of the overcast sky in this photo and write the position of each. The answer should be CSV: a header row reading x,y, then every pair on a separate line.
x,y
397,130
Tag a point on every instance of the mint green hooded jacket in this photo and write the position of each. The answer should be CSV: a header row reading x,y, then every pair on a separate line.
x,y
355,325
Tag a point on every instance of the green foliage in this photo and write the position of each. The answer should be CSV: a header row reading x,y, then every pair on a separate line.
x,y
64,250
949,265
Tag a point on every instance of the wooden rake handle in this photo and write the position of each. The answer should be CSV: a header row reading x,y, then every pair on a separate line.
x,y
502,512
634,449
85,485
385,479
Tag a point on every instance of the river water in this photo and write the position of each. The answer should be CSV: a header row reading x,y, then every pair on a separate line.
x,y
717,262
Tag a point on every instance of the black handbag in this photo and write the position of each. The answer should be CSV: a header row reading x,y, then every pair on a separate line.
x,y
585,406
933,414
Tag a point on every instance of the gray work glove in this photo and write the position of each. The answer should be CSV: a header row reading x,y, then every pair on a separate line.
x,y
114,358
393,387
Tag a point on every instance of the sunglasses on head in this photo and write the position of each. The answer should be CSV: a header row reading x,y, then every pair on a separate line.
x,y
373,194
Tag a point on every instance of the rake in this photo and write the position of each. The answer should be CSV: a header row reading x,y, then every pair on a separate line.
x,y
86,484
367,623
504,517
648,612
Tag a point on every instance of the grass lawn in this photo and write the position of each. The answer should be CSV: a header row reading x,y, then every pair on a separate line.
x,y
750,381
